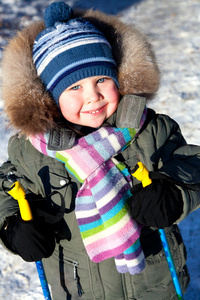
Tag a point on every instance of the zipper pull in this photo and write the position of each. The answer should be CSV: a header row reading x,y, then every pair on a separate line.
x,y
76,277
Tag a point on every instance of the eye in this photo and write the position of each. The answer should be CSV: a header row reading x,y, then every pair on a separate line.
x,y
101,80
76,87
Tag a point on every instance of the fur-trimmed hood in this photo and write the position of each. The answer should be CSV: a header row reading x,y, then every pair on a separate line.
x,y
31,110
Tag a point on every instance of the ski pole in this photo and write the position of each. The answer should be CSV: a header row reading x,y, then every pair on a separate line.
x,y
18,193
142,174
171,264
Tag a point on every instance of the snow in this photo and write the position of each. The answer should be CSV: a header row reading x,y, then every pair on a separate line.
x,y
173,29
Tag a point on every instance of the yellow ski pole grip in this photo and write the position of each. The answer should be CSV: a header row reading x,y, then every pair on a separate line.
x,y
18,193
142,174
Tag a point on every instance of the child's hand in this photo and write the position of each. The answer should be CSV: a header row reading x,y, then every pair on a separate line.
x,y
32,240
157,205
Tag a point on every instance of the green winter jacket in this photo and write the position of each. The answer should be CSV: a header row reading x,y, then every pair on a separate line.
x,y
160,146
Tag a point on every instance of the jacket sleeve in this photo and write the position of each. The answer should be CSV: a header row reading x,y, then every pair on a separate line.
x,y
184,167
180,161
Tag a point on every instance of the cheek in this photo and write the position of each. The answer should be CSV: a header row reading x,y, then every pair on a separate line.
x,y
68,107
114,96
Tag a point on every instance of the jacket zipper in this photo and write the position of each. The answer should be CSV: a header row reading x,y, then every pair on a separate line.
x,y
76,277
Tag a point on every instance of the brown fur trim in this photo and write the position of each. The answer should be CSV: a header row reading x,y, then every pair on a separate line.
x,y
27,105
30,109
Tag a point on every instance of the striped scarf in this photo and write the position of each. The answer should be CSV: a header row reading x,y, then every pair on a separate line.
x,y
101,209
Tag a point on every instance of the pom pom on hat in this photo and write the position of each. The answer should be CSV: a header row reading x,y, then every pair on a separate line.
x,y
57,12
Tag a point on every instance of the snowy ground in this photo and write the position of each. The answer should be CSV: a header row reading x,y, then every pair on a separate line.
x,y
173,28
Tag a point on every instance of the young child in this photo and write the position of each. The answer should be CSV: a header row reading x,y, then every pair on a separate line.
x,y
76,92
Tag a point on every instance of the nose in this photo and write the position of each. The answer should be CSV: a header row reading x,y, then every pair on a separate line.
x,y
92,95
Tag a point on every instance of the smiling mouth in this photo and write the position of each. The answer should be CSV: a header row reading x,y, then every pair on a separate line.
x,y
95,111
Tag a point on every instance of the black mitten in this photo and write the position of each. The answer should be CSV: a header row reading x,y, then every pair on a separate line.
x,y
32,240
158,205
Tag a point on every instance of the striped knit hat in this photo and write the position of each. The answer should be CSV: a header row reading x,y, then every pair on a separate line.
x,y
70,49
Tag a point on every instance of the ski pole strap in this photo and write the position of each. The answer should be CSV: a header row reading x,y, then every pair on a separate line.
x,y
141,173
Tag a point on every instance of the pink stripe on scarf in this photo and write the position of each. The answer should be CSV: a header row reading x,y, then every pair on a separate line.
x,y
43,144
35,142
78,160
94,248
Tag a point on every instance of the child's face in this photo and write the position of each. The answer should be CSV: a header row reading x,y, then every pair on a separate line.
x,y
90,101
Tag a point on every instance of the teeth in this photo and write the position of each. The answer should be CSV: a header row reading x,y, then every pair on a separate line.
x,y
93,112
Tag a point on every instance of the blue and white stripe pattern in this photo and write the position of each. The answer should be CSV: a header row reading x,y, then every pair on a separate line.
x,y
69,52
